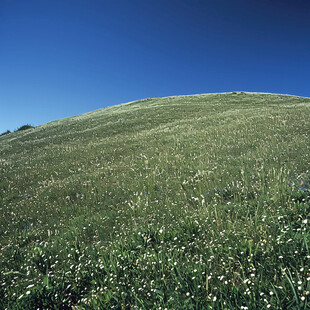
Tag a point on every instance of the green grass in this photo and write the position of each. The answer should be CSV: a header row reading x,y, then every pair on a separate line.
x,y
190,202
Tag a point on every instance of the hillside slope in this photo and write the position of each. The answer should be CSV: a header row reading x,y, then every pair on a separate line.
x,y
186,201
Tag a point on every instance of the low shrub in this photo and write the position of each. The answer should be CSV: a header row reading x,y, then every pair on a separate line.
x,y
5,133
24,127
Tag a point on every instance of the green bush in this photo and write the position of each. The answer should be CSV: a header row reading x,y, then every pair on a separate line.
x,y
5,133
24,127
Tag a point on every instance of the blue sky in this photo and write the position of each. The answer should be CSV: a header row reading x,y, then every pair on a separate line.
x,y
63,58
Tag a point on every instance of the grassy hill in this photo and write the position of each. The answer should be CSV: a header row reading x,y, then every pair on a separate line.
x,y
189,202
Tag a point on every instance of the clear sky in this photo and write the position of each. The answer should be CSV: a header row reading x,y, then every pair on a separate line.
x,y
60,58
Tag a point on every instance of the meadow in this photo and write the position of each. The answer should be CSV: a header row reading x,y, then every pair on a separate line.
x,y
186,202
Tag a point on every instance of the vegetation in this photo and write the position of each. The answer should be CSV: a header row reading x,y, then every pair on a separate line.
x,y
24,127
190,202
5,133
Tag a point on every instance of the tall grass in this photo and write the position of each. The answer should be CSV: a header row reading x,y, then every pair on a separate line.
x,y
196,202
